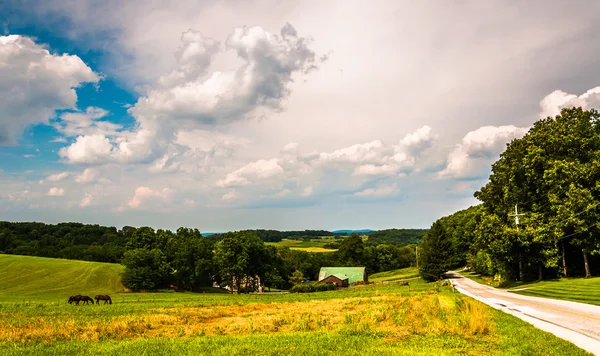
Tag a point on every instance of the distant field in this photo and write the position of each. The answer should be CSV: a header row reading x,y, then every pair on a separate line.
x,y
585,290
314,245
403,273
24,278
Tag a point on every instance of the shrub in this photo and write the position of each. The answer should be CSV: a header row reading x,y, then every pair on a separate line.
x,y
312,287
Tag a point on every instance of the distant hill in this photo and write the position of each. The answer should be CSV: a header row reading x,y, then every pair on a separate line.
x,y
400,237
348,232
27,278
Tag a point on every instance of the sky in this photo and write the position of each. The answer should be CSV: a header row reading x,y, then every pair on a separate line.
x,y
228,115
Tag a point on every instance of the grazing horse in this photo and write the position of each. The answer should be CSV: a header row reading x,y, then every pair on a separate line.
x,y
80,298
105,298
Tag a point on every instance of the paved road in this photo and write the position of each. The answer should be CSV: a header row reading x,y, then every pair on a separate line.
x,y
576,322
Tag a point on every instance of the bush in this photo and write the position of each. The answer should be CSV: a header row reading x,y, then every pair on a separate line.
x,y
359,283
312,287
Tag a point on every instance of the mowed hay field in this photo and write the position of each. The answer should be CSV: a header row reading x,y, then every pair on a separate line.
x,y
585,290
31,279
314,245
420,319
397,274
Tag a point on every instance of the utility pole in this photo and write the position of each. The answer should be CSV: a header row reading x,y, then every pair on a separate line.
x,y
417,255
516,215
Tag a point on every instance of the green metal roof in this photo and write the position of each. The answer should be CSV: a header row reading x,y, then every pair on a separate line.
x,y
352,273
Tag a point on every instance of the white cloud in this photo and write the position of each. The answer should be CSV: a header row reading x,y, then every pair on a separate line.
x,y
56,192
261,82
28,155
87,149
308,191
143,194
57,176
35,83
254,171
229,195
89,175
80,123
378,192
558,99
59,140
86,201
478,149
190,203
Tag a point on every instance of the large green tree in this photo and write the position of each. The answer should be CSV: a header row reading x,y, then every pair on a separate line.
x,y
436,253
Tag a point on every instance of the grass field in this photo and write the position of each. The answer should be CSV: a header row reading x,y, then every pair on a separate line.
x,y
367,320
25,278
585,290
314,245
396,274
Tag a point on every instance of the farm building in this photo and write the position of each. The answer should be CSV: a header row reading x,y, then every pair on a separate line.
x,y
341,281
353,274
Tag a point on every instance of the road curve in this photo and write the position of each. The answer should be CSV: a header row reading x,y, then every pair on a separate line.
x,y
578,323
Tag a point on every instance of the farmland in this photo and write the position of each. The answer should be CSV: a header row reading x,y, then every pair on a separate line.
x,y
312,245
421,319
396,274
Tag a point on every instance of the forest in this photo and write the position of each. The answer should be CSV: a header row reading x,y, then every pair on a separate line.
x,y
551,176
187,260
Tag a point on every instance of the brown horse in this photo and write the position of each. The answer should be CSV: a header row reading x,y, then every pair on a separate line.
x,y
80,298
105,298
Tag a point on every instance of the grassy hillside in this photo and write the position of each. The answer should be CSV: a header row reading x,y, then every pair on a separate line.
x,y
314,245
576,289
404,273
25,278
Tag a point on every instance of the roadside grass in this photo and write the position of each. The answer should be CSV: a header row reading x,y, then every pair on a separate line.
x,y
404,273
584,290
27,278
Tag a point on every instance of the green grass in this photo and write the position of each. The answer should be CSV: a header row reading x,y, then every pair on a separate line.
x,y
314,245
404,273
584,290
25,278
420,319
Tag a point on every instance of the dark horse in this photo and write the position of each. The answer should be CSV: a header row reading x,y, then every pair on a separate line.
x,y
105,298
80,298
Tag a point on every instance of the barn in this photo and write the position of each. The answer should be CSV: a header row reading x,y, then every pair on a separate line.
x,y
353,274
340,281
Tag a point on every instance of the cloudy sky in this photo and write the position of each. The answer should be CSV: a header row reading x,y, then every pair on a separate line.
x,y
226,115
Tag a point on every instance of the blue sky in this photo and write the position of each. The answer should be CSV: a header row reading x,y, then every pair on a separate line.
x,y
269,114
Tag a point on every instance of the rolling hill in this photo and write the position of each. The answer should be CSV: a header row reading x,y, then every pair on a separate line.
x,y
28,278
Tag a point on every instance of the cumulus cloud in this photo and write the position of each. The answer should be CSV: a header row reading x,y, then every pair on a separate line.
x,y
89,175
56,192
87,149
143,194
261,81
478,148
189,96
35,83
57,176
552,103
376,158
229,195
86,201
78,123
259,170
378,192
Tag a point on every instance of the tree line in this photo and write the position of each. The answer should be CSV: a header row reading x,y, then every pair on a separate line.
x,y
550,176
187,260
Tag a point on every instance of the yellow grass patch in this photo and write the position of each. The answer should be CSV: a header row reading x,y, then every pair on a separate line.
x,y
395,316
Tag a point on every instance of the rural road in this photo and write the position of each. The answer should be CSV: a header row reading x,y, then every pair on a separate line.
x,y
575,322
